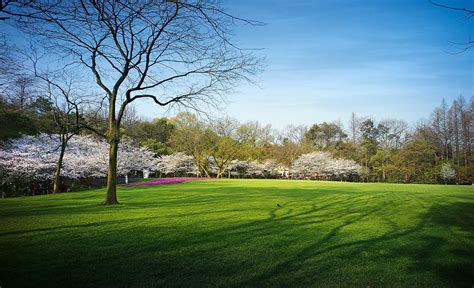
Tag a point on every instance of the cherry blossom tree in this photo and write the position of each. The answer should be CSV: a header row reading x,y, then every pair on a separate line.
x,y
133,157
269,168
312,165
323,165
86,157
343,168
26,160
34,158
254,169
447,172
177,163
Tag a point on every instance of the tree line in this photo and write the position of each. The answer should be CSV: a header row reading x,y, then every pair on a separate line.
x,y
388,150
434,150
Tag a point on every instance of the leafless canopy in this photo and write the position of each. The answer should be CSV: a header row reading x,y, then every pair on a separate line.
x,y
469,13
169,51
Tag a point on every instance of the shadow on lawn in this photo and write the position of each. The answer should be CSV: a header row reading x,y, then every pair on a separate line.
x,y
442,253
435,247
450,254
310,241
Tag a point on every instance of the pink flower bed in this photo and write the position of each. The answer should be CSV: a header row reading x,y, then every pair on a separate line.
x,y
163,181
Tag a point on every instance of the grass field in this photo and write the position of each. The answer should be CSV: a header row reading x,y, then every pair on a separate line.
x,y
231,233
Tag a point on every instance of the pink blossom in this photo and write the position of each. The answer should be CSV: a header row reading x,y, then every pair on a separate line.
x,y
163,181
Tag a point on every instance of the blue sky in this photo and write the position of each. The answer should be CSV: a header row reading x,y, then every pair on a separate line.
x,y
326,59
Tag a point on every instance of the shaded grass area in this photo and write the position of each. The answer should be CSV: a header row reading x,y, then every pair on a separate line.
x,y
231,233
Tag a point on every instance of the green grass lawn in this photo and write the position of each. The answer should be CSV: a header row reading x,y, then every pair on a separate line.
x,y
231,233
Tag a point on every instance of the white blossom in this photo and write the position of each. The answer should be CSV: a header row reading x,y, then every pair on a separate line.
x,y
447,172
176,163
323,165
266,169
29,157
35,158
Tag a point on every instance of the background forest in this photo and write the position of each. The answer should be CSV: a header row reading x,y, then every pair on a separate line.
x,y
436,149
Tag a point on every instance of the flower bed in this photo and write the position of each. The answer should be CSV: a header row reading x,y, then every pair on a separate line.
x,y
163,181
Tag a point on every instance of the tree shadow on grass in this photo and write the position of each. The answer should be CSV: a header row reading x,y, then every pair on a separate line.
x,y
141,244
440,248
449,249
313,240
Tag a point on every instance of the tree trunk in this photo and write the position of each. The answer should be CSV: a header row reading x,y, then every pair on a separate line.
x,y
204,170
111,198
59,165
466,153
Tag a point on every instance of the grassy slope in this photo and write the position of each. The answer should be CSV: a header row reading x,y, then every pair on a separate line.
x,y
231,233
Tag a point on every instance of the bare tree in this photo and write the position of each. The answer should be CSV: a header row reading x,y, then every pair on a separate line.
x,y
22,92
442,128
292,144
66,118
7,64
469,13
393,133
169,51
455,121
466,110
64,108
354,127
